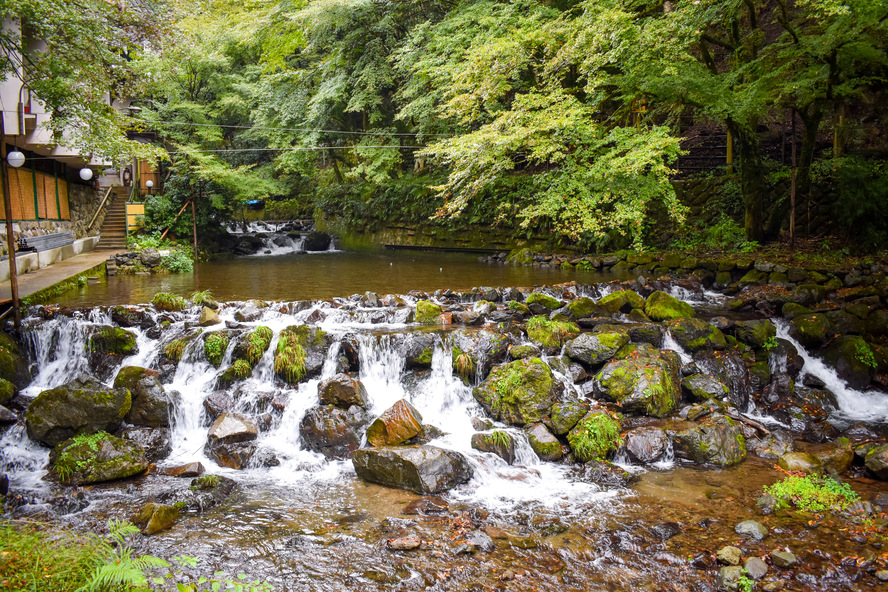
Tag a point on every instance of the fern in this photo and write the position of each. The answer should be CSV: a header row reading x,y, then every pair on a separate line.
x,y
120,569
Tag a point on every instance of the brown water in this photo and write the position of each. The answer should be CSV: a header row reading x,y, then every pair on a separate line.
x,y
323,276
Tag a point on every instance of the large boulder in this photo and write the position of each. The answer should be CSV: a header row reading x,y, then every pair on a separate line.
x,y
661,306
317,241
592,350
853,360
620,301
703,387
230,440
422,469
396,425
565,414
151,405
811,330
728,366
647,382
755,333
13,363
544,444
646,444
718,440
695,334
95,458
332,431
107,346
496,442
79,407
342,391
519,393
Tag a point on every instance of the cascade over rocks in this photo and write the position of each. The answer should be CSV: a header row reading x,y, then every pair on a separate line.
x,y
83,406
422,469
497,442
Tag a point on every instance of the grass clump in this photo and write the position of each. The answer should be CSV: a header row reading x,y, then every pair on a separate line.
x,y
595,436
812,493
168,302
257,342
202,297
289,362
175,349
215,345
543,299
550,334
463,364
205,482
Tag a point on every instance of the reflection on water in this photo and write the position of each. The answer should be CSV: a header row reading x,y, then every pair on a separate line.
x,y
321,276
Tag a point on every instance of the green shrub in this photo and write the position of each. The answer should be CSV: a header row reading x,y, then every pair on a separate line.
x,y
180,260
168,302
215,345
595,436
812,493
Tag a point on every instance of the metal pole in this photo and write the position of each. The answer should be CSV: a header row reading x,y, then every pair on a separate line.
x,y
10,236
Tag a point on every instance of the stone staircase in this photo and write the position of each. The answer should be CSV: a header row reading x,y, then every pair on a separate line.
x,y
114,227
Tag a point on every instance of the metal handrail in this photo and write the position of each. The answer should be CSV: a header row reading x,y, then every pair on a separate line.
x,y
99,209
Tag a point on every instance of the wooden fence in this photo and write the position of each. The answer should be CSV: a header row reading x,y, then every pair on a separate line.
x,y
36,196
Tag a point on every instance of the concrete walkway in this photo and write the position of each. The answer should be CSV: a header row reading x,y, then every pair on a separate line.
x,y
38,279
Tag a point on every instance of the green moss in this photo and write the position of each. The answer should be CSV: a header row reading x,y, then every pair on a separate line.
x,y
812,493
7,391
520,257
176,348
113,340
582,307
169,302
519,307
257,342
620,301
427,312
544,300
426,356
205,482
215,345
520,392
595,436
661,306
239,370
549,333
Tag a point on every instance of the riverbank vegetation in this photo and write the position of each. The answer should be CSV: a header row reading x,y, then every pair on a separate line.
x,y
582,121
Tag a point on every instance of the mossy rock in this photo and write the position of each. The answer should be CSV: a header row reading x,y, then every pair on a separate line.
x,y
703,387
106,346
808,294
661,306
582,307
7,391
792,310
620,301
543,300
853,360
13,363
753,277
300,353
520,393
154,517
520,352
79,407
546,446
96,458
565,414
151,406
592,350
519,307
595,437
252,345
811,330
427,312
215,346
800,462
696,334
520,257
175,349
755,333
550,335
718,440
419,348
645,383
498,442
239,370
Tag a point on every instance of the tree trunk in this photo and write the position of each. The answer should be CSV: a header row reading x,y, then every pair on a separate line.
x,y
752,181
812,121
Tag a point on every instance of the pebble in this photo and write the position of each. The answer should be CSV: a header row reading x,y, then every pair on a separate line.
x,y
882,575
406,543
756,568
729,556
752,529
783,559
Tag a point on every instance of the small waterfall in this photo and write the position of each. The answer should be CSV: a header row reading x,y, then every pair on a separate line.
x,y
670,343
854,405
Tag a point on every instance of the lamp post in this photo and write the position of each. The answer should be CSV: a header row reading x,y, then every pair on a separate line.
x,y
86,173
15,160
150,185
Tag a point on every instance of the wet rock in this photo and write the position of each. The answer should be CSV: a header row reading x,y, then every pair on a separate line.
x,y
422,469
208,317
249,313
217,403
342,391
7,417
96,458
785,358
155,517
695,334
521,352
729,555
418,349
497,442
718,440
767,504
317,241
755,568
13,362
396,425
596,349
808,294
646,444
853,360
604,473
621,301
877,461
771,446
801,462
648,333
426,505
126,316
407,543
546,446
666,530
481,541
189,470
425,435
233,456
661,306
520,393
810,330
783,559
157,442
565,414
151,405
7,391
752,529
107,346
703,387
232,428
728,366
79,407
480,424
837,460
332,431
755,333
646,383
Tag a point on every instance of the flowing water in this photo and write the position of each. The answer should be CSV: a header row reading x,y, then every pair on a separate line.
x,y
311,524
